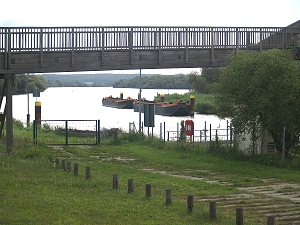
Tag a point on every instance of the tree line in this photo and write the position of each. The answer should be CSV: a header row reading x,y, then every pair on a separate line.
x,y
155,82
27,84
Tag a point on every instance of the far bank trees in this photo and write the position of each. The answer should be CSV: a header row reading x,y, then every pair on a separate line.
x,y
261,91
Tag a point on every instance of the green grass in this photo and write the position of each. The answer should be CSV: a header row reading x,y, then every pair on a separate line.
x,y
34,191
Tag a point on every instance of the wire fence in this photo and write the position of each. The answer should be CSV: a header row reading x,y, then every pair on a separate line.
x,y
66,132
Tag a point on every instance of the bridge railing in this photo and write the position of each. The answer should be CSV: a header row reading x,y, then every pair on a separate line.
x,y
24,39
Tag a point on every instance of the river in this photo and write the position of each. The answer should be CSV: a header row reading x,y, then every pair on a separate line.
x,y
84,103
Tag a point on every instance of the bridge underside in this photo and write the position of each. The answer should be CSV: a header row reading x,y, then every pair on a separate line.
x,y
71,61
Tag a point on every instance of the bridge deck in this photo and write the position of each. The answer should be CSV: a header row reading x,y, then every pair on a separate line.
x,y
62,49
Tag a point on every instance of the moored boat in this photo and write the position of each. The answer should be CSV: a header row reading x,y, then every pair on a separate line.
x,y
178,108
118,102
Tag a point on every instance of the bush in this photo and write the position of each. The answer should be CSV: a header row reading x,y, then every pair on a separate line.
x,y
205,108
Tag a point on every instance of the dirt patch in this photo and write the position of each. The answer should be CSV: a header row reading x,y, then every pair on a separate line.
x,y
116,158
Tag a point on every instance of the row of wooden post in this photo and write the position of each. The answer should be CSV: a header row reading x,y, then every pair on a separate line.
x,y
66,166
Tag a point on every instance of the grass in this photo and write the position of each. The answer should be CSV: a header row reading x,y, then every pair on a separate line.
x,y
34,191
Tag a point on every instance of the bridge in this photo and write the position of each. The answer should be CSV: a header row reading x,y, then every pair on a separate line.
x,y
70,49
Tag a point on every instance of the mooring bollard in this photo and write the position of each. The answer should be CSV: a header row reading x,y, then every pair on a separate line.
x,y
75,169
88,173
115,181
168,197
130,185
190,203
57,162
69,169
63,165
213,210
148,191
271,220
239,216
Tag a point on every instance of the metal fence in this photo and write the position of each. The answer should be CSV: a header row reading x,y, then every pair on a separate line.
x,y
202,135
66,132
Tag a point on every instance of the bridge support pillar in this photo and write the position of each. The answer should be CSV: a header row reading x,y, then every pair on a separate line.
x,y
9,118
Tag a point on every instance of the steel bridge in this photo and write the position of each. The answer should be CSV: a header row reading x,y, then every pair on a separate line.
x,y
70,49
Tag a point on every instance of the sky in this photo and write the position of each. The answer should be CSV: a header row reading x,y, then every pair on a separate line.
x,y
230,13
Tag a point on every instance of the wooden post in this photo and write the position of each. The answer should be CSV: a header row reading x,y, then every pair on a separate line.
x,y
239,216
190,203
63,165
57,162
8,112
148,191
88,173
75,169
168,197
271,220
212,210
115,181
130,185
69,169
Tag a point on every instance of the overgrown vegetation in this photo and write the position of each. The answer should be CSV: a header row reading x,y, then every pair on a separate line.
x,y
204,103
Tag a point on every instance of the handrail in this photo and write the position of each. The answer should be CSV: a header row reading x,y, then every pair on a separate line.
x,y
52,39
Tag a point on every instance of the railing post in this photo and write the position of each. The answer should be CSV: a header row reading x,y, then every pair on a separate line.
x,y
237,38
284,38
72,46
41,48
103,45
260,41
130,44
212,57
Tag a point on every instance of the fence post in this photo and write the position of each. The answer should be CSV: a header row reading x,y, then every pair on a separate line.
x,y
168,197
212,210
130,185
88,173
63,165
239,216
209,132
115,181
75,169
230,135
205,131
227,130
69,169
190,203
148,191
66,124
164,131
271,220
98,132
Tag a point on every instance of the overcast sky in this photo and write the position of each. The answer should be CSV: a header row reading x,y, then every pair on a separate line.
x,y
232,13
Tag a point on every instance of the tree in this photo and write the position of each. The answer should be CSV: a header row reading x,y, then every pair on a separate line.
x,y
198,83
212,75
261,91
